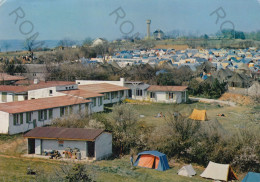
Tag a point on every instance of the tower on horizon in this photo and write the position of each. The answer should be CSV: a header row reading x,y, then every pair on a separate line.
x,y
148,28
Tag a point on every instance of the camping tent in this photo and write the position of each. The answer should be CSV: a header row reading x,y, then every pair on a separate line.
x,y
152,159
187,171
217,171
198,115
252,177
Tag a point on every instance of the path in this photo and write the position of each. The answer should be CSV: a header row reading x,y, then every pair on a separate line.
x,y
233,104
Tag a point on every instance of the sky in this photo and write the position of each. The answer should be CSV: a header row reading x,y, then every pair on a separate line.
x,y
79,19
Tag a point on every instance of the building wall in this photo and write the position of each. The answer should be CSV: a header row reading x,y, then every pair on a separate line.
x,y
10,97
38,146
103,146
19,128
98,107
86,82
43,93
49,145
162,97
4,118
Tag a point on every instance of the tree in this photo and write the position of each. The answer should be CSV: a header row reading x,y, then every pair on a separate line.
x,y
123,121
66,42
88,41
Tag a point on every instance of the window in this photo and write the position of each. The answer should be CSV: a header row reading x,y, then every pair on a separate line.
x,y
15,119
79,108
62,111
28,117
4,96
50,92
66,110
139,92
106,96
171,95
42,115
94,102
152,95
100,101
15,97
71,109
21,118
50,113
112,95
183,96
86,107
121,93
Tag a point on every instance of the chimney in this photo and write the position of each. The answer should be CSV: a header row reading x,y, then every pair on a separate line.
x,y
36,81
148,28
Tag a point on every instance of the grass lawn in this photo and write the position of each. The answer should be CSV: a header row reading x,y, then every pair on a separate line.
x,y
235,117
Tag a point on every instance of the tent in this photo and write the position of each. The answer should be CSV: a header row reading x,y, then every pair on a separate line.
x,y
200,115
217,171
252,177
187,171
152,159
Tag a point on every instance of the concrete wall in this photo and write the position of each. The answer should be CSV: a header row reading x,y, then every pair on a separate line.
x,y
86,82
19,128
49,145
4,122
162,97
103,146
43,93
97,108
38,146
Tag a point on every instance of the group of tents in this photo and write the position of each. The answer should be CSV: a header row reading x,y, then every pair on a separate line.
x,y
222,172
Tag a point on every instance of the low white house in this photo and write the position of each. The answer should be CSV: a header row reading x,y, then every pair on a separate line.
x,y
21,116
94,144
167,94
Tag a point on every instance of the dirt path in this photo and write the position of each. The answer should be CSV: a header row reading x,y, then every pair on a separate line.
x,y
233,104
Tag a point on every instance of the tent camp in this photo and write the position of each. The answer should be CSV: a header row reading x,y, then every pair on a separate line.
x,y
252,177
187,171
200,115
152,159
217,171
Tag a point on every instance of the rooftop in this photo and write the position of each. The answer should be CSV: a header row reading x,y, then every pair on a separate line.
x,y
82,93
7,77
40,104
167,88
40,85
64,133
102,88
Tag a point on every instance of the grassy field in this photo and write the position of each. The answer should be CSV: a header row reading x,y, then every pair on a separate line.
x,y
13,167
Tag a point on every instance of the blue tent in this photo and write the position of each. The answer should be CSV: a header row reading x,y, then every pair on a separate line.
x,y
252,177
152,159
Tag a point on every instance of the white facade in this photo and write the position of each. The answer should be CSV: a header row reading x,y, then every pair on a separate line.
x,y
10,125
87,82
11,97
50,91
103,146
162,97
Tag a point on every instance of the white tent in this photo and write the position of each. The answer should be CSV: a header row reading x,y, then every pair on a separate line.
x,y
187,171
217,171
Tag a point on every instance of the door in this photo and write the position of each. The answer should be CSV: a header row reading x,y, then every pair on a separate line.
x,y
91,149
31,146
130,93
34,123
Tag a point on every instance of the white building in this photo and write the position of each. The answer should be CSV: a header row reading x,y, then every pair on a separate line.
x,y
95,144
21,116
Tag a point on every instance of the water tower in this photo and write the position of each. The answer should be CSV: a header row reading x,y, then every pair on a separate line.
x,y
148,28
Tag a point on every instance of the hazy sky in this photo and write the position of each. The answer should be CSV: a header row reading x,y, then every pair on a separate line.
x,y
78,19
